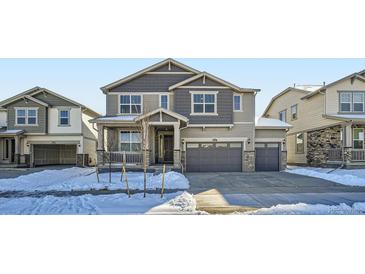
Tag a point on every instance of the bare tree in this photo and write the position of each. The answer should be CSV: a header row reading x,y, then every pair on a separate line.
x,y
144,129
111,142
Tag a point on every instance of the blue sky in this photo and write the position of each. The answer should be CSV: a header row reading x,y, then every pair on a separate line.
x,y
81,79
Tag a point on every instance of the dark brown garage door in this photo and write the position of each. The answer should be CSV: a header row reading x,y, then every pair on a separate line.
x,y
54,155
267,156
214,157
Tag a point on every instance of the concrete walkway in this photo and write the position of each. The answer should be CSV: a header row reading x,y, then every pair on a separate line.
x,y
229,192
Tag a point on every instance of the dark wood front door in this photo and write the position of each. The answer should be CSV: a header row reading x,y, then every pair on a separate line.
x,y
168,148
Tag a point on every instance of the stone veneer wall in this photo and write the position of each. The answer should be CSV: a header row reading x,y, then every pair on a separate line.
x,y
319,142
248,161
283,162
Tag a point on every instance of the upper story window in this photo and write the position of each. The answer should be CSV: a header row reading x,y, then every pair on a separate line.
x,y
282,115
164,101
64,117
237,103
294,112
352,101
26,116
130,104
204,103
299,143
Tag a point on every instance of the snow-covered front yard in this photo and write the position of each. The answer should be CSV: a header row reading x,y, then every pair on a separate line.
x,y
85,179
353,177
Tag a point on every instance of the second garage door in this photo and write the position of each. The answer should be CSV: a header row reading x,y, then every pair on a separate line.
x,y
214,157
267,156
54,155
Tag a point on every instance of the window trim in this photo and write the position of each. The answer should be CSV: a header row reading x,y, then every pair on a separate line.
x,y
296,143
285,115
120,141
130,103
168,100
353,139
69,117
192,113
26,116
351,92
241,109
296,112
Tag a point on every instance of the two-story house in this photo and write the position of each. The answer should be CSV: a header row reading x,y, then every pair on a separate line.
x,y
189,119
40,127
328,122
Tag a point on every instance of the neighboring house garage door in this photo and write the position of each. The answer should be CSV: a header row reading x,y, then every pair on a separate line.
x,y
54,155
213,157
267,156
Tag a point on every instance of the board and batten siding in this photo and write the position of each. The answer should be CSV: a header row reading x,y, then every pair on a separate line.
x,y
42,117
53,101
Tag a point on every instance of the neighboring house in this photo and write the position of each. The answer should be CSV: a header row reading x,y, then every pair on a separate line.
x,y
40,127
191,119
328,122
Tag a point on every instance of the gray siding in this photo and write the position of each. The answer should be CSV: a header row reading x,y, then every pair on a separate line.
x,y
42,117
150,102
208,82
182,105
248,109
112,104
151,83
53,100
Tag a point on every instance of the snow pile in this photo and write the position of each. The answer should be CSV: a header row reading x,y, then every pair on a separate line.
x,y
308,209
86,179
341,176
100,204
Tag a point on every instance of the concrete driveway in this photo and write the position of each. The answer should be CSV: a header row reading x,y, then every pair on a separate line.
x,y
228,192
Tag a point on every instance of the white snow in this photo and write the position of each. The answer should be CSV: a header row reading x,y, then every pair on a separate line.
x,y
308,209
85,179
348,116
262,122
353,177
175,203
117,118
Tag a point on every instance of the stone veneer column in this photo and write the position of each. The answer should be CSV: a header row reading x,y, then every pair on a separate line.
x,y
248,161
283,162
177,150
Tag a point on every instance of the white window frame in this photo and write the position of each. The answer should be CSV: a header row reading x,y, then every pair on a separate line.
x,y
130,103
240,109
353,138
296,143
353,101
59,117
26,109
168,100
296,111
283,111
192,93
130,143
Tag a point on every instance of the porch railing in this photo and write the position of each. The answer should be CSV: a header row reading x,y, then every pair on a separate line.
x,y
335,154
121,156
358,154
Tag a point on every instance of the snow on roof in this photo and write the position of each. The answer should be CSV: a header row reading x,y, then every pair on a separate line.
x,y
120,118
310,88
4,131
262,122
347,116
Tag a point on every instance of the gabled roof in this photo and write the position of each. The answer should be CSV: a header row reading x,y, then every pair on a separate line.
x,y
162,110
28,94
215,78
148,69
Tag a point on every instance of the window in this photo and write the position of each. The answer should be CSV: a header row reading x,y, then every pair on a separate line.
x,y
282,115
352,101
130,141
26,116
299,143
358,101
294,112
64,117
204,103
237,103
164,101
345,101
358,138
130,104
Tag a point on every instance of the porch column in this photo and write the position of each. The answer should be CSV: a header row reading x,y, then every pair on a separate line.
x,y
177,150
347,142
100,150
17,150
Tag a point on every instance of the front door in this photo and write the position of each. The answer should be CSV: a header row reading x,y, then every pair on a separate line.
x,y
9,150
168,149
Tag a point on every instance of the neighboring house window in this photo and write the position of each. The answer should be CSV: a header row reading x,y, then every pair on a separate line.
x,y
130,104
237,104
204,103
294,112
358,138
352,101
282,115
64,117
299,143
164,101
130,141
26,116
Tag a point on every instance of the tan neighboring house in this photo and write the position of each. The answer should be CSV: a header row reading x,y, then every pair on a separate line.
x,y
328,122
40,127
192,119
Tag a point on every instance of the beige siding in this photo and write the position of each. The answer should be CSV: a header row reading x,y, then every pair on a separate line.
x,y
270,133
248,109
293,157
150,102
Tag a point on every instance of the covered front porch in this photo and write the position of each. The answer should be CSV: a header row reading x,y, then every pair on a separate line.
x,y
151,139
10,148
